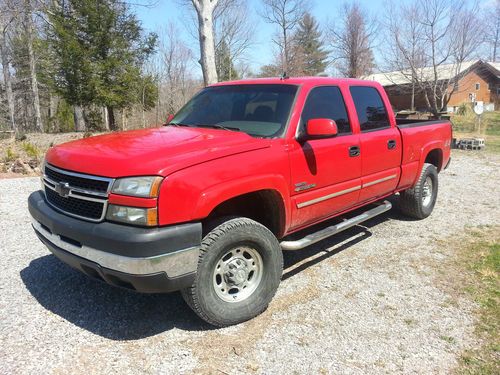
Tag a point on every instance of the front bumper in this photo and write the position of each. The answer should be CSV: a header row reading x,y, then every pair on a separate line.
x,y
149,260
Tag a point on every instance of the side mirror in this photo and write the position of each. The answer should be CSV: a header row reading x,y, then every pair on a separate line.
x,y
170,117
320,128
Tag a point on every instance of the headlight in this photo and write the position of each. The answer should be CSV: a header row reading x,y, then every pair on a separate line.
x,y
145,187
133,215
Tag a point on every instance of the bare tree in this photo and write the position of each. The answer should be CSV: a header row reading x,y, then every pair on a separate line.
x,y
175,57
351,41
492,30
405,53
286,15
429,44
6,18
28,20
205,12
233,34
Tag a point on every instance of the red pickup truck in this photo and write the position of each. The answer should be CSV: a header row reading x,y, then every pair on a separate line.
x,y
207,203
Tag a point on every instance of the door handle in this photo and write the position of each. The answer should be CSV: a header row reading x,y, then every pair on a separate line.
x,y
391,144
354,151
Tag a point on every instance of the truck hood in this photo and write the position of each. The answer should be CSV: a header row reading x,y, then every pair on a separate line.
x,y
158,151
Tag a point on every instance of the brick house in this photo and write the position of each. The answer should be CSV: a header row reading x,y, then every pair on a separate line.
x,y
479,82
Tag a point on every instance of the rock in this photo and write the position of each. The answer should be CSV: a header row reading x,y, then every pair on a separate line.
x,y
33,163
18,167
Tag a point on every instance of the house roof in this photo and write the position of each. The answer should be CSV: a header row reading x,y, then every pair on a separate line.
x,y
445,71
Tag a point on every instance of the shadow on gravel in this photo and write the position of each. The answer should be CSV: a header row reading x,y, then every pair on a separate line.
x,y
347,238
107,311
119,314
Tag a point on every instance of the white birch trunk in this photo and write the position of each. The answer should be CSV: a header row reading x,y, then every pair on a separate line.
x,y
205,10
79,119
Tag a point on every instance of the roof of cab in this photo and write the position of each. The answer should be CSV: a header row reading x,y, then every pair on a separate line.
x,y
293,81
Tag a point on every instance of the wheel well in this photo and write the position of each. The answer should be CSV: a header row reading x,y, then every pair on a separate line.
x,y
435,157
264,206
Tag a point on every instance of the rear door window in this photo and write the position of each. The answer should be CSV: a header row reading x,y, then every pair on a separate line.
x,y
370,108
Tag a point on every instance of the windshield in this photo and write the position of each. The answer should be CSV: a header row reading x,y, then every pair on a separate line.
x,y
258,110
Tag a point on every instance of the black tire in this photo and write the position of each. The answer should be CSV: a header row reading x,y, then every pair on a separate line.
x,y
418,202
233,235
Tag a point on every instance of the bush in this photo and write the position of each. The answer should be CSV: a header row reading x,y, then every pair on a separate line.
x,y
10,155
464,109
31,150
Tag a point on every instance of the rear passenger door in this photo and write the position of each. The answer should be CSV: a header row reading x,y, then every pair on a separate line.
x,y
325,172
380,144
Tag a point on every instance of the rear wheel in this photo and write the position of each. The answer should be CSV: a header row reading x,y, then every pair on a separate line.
x,y
239,271
418,202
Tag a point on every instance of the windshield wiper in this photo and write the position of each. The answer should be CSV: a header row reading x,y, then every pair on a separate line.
x,y
217,126
177,124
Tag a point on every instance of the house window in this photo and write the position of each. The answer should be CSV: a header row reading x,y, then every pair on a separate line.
x,y
478,85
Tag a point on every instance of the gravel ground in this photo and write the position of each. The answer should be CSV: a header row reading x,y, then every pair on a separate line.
x,y
363,302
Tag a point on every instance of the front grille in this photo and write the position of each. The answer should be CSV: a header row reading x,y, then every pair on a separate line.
x,y
75,206
91,184
77,194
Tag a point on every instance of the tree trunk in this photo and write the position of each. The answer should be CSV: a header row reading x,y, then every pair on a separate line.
x,y
53,102
106,118
8,84
111,119
205,9
412,107
79,119
31,57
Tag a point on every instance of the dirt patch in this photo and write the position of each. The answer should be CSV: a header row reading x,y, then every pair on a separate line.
x,y
23,158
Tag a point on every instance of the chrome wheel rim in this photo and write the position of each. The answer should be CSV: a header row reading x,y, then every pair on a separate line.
x,y
427,192
237,274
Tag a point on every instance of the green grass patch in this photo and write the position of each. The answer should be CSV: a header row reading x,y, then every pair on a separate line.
x,y
466,125
31,150
482,284
10,155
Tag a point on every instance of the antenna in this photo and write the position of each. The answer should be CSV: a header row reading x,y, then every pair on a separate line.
x,y
284,76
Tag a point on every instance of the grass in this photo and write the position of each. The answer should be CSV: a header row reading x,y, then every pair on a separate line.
x,y
10,155
31,150
466,125
480,260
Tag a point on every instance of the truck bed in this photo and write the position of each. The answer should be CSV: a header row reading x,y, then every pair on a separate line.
x,y
412,123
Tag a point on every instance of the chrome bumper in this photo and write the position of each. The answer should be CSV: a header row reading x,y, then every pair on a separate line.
x,y
174,264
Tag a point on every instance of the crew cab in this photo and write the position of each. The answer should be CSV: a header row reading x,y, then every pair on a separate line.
x,y
207,203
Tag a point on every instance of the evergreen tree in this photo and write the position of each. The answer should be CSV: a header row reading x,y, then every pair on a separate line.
x,y
224,63
310,56
98,49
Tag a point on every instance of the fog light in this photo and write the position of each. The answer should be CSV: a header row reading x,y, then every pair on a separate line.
x,y
133,215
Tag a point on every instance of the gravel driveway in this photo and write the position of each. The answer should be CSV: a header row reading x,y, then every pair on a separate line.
x,y
363,302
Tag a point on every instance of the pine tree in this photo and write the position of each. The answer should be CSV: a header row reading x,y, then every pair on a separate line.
x,y
99,49
309,53
224,63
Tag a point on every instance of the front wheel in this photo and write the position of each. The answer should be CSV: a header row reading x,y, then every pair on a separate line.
x,y
239,271
418,202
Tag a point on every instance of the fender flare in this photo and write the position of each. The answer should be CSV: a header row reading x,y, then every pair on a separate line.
x,y
222,192
424,151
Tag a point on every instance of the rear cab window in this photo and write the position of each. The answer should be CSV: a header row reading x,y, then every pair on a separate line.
x,y
370,108
326,102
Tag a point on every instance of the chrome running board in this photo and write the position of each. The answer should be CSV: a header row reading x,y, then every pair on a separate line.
x,y
334,229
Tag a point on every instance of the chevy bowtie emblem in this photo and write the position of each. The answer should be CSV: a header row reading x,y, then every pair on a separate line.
x,y
63,189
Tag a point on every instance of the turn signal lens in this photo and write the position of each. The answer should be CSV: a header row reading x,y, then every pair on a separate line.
x,y
143,186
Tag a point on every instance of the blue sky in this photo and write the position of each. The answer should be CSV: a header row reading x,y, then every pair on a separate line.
x,y
166,11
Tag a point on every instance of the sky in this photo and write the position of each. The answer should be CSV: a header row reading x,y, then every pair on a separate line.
x,y
165,11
